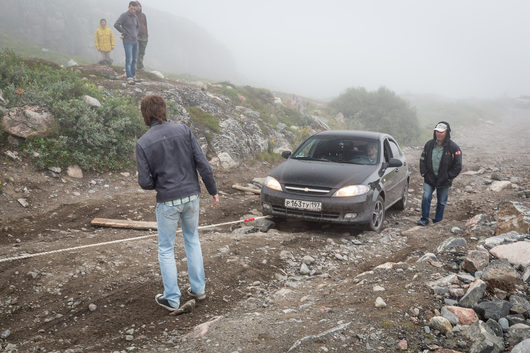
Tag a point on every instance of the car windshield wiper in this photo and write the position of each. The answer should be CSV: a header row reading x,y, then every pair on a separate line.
x,y
306,158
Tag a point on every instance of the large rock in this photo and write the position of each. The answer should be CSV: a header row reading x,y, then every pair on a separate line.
x,y
517,333
518,254
28,121
441,324
476,260
522,347
483,338
480,225
503,238
520,305
513,216
493,309
499,185
465,316
500,274
474,293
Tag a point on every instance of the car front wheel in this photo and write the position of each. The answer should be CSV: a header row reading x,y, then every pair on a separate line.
x,y
377,217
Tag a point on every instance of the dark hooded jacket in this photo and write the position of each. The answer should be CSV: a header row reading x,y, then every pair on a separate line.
x,y
450,164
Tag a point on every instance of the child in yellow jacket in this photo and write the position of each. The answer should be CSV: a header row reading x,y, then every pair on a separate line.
x,y
104,40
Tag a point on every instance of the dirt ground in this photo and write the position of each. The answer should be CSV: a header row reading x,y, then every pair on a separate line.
x,y
257,301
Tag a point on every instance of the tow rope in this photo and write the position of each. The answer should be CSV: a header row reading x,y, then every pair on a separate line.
x,y
26,256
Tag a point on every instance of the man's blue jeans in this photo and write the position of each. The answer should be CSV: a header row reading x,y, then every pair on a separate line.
x,y
167,218
131,54
442,193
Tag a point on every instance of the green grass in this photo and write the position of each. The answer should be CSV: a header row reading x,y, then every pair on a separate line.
x,y
203,119
94,138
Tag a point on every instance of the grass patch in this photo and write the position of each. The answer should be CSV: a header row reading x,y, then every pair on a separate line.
x,y
203,119
94,138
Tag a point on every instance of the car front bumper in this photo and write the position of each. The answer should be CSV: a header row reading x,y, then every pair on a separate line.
x,y
343,210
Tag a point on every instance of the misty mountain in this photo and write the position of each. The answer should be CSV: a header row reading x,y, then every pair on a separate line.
x,y
175,43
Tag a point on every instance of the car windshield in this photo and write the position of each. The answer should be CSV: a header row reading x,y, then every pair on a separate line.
x,y
339,149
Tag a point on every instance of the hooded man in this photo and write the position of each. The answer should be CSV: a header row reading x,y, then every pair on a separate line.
x,y
104,41
440,163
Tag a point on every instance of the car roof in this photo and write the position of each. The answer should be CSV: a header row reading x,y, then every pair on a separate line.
x,y
352,133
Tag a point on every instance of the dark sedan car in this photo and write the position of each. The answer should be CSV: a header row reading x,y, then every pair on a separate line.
x,y
339,177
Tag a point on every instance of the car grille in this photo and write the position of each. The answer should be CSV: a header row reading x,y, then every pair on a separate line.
x,y
307,190
305,213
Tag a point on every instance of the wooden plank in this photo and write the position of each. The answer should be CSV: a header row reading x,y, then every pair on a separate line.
x,y
244,188
122,223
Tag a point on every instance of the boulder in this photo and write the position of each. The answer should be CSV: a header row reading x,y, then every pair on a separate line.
x,y
503,238
500,274
520,305
518,254
465,316
499,185
474,293
513,216
518,333
29,120
441,324
493,309
476,260
483,338
522,347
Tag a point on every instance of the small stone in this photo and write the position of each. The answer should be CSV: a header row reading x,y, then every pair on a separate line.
x,y
92,307
403,345
5,334
380,303
304,270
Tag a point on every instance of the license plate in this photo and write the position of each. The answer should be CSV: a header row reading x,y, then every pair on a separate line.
x,y
303,205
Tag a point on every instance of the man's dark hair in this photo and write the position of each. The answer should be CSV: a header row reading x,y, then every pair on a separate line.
x,y
153,108
103,20
133,3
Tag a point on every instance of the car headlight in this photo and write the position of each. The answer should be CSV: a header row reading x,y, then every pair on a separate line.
x,y
351,190
272,183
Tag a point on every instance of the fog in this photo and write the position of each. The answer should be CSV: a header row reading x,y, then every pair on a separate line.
x,y
453,48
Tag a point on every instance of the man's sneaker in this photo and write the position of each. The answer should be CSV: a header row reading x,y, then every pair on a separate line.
x,y
423,222
130,80
163,302
198,297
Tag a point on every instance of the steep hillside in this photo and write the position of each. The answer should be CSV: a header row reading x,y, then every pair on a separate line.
x,y
175,43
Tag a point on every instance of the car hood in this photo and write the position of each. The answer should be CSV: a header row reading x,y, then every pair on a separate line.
x,y
324,174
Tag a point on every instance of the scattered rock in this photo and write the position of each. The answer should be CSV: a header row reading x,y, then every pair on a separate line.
x,y
74,171
29,120
380,303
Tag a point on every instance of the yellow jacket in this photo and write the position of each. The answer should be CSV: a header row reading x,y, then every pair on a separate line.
x,y
104,39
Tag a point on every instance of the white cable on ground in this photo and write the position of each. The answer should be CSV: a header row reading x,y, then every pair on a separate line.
x,y
119,241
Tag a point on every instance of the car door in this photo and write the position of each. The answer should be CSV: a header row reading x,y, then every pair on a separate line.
x,y
400,173
391,177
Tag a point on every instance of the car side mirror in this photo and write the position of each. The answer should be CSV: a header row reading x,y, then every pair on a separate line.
x,y
394,163
286,154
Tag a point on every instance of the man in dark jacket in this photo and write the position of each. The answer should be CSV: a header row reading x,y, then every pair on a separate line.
x,y
142,35
127,25
440,163
168,158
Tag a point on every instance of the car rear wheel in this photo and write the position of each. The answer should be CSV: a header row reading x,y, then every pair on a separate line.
x,y
377,218
402,204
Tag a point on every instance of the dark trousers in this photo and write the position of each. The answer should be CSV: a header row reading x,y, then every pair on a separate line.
x,y
141,52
